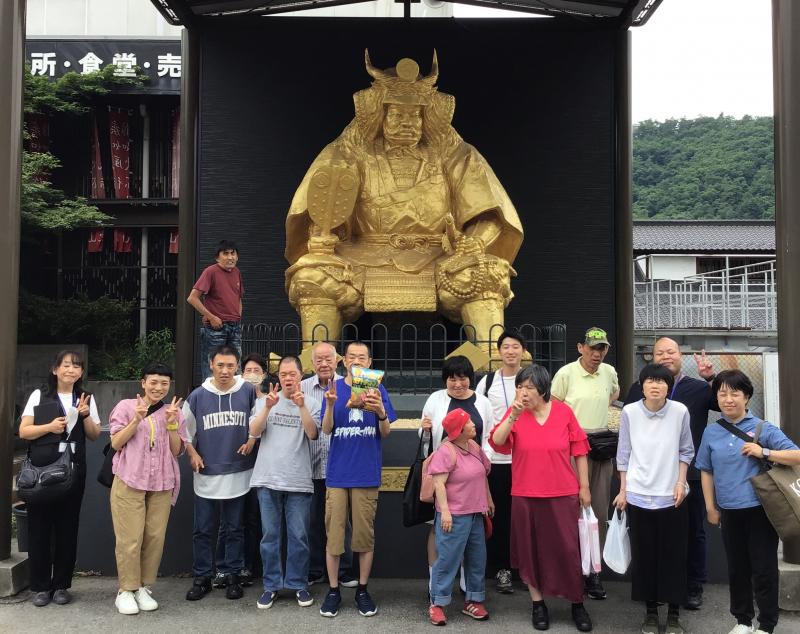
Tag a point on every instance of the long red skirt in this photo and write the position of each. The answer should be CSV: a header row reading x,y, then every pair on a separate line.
x,y
545,547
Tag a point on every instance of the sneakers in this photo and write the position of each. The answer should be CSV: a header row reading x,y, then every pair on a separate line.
x,y
594,589
266,600
650,624
741,628
330,607
126,603
581,617
366,606
436,615
673,625
41,599
233,590
304,598
144,599
201,586
694,599
61,597
540,617
245,578
475,610
347,581
503,578
218,581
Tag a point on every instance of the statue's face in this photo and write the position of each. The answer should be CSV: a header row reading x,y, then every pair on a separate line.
x,y
402,124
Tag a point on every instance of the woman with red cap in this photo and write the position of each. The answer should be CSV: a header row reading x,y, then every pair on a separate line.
x,y
459,468
546,494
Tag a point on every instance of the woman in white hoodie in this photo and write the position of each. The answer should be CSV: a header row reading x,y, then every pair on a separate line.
x,y
458,376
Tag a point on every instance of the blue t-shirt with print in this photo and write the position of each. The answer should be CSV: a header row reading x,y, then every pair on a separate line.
x,y
354,456
720,454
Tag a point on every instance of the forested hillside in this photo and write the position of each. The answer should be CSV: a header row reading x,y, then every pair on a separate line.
x,y
706,168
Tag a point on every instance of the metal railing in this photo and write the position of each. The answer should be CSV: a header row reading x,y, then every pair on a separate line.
x,y
739,298
411,355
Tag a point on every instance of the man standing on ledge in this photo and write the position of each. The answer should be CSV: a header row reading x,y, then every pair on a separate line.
x,y
354,476
589,386
217,296
697,397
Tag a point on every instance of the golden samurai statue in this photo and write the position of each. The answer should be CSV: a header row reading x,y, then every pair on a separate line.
x,y
400,214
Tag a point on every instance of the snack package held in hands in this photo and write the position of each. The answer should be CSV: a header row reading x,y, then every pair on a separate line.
x,y
364,379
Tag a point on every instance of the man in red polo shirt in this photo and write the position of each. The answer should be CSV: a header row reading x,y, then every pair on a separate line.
x,y
217,296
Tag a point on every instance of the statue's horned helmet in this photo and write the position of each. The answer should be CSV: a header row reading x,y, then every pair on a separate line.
x,y
403,84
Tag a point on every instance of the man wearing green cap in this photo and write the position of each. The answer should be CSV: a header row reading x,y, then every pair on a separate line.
x,y
589,386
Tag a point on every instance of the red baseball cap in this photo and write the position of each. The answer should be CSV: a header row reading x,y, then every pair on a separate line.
x,y
454,423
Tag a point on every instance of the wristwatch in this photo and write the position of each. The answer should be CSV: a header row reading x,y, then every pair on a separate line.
x,y
765,453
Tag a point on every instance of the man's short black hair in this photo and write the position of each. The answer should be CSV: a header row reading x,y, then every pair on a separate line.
x,y
539,376
458,366
290,358
156,368
224,350
657,373
512,333
358,343
226,245
734,380
256,358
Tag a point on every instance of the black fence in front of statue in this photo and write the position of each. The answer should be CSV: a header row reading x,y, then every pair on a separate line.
x,y
410,354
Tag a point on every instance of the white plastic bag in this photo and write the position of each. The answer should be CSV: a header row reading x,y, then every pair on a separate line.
x,y
617,551
589,534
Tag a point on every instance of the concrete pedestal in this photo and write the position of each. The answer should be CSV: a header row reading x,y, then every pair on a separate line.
x,y
13,573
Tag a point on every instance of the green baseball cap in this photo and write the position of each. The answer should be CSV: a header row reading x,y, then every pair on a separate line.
x,y
595,336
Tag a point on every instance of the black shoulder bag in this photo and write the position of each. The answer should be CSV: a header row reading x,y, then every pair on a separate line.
x,y
414,510
37,485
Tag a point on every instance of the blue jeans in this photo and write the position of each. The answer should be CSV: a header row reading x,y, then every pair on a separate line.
x,y
468,540
295,508
230,334
203,538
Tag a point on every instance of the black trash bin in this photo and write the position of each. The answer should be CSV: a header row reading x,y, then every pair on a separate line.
x,y
20,512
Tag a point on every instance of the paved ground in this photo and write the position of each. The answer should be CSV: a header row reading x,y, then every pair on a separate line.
x,y
401,603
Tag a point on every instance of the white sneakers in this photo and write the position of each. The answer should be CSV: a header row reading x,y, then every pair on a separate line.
x,y
744,629
132,602
145,599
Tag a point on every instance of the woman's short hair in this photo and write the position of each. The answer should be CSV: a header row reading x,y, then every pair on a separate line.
x,y
255,358
157,368
734,380
458,366
539,376
52,381
656,372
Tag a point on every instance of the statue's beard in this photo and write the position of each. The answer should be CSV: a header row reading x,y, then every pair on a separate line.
x,y
397,138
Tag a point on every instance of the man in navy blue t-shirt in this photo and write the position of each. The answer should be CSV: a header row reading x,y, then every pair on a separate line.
x,y
353,476
696,395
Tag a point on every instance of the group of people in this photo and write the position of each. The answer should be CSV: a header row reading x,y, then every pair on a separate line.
x,y
514,459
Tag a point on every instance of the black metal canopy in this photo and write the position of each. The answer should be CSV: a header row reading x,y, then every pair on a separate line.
x,y
619,13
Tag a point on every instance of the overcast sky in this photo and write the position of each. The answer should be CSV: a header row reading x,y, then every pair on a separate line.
x,y
697,57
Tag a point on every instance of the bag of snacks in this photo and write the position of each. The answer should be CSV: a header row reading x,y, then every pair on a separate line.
x,y
364,379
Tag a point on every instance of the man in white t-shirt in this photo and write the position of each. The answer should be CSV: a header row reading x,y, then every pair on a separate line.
x,y
499,388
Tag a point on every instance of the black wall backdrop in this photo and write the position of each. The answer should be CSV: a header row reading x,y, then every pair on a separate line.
x,y
535,96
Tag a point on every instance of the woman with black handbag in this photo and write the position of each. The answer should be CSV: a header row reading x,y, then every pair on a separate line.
x,y
57,419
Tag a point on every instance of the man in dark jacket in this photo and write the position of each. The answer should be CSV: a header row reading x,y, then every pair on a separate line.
x,y
697,396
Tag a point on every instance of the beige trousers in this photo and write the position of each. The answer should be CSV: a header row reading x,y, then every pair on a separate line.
x,y
140,525
600,474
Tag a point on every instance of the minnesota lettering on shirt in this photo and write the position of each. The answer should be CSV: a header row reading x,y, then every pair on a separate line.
x,y
224,419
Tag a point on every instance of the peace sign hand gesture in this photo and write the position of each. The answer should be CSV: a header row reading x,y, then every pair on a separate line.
x,y
517,406
272,395
141,409
83,405
172,410
704,366
330,395
298,398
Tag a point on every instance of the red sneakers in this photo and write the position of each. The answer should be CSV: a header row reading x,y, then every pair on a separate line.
x,y
475,610
436,614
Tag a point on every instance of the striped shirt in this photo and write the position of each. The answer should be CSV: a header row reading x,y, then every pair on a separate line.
x,y
315,394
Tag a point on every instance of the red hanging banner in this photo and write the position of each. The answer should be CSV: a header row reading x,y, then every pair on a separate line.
x,y
173,241
98,184
119,130
122,241
95,244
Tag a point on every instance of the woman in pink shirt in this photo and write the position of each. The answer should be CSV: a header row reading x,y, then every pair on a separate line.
x,y
459,468
544,437
147,435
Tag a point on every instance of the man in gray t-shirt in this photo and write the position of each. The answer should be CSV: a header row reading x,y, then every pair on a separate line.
x,y
282,475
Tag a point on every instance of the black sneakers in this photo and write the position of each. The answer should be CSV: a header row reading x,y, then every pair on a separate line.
x,y
594,589
233,589
581,618
201,586
539,616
